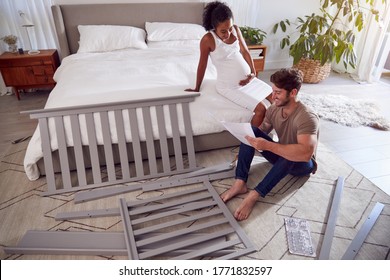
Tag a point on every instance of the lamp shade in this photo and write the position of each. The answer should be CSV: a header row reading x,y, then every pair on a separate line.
x,y
26,22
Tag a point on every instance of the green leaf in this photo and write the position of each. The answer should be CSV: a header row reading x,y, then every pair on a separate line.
x,y
359,21
325,4
283,26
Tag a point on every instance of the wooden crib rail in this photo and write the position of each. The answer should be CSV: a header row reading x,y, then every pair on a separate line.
x,y
156,165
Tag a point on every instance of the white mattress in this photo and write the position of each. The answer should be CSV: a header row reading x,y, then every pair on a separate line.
x,y
92,78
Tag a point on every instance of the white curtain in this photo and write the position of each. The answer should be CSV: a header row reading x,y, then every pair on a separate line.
x,y
42,35
245,11
368,45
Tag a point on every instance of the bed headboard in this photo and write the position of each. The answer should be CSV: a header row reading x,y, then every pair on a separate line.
x,y
68,17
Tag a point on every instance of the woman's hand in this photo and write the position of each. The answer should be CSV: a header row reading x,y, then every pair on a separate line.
x,y
249,78
191,90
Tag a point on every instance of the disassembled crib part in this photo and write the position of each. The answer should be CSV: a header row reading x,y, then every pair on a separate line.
x,y
331,224
208,173
357,242
96,243
179,227
66,123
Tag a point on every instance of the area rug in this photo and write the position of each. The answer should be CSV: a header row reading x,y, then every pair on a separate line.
x,y
22,208
346,111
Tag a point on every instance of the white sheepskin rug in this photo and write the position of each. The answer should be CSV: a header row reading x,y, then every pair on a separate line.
x,y
346,111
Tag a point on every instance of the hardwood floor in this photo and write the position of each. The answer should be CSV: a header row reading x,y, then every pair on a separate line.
x,y
13,124
366,149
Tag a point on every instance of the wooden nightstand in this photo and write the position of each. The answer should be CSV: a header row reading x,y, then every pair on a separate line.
x,y
258,53
24,71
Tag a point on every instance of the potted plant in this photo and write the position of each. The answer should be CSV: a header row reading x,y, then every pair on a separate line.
x,y
326,37
253,36
11,40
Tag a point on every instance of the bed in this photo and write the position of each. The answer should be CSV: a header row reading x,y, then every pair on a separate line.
x,y
156,72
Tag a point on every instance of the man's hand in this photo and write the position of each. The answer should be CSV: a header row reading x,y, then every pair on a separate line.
x,y
257,143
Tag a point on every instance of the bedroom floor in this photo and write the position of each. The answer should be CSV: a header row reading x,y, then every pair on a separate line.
x,y
365,149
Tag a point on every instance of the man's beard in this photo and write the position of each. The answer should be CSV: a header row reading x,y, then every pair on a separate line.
x,y
285,102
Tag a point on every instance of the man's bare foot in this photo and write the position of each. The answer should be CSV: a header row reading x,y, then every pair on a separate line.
x,y
239,187
246,206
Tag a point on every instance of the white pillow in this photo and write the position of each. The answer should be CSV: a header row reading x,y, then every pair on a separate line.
x,y
174,44
103,38
168,31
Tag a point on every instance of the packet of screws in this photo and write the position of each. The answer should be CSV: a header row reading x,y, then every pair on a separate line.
x,y
298,237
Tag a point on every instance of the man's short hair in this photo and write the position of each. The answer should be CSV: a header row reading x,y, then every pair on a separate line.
x,y
288,79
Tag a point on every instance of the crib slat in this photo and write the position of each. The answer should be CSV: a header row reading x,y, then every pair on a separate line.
x,y
188,135
177,233
91,131
47,157
122,144
163,138
128,229
176,136
63,153
213,248
139,169
78,150
149,140
171,223
190,241
107,146
178,210
181,201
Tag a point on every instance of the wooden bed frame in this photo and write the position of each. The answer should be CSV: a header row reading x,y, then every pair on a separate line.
x,y
66,19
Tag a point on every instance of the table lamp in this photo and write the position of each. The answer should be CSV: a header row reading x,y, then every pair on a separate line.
x,y
26,22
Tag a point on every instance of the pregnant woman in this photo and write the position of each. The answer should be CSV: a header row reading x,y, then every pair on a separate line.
x,y
230,55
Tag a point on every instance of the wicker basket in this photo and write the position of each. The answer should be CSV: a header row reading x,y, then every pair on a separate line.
x,y
312,70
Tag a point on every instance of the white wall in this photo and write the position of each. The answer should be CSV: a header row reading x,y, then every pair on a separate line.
x,y
274,11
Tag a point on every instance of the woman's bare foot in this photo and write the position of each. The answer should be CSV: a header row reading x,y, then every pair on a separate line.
x,y
239,187
246,206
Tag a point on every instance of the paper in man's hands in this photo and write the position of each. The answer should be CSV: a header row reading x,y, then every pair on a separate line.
x,y
239,130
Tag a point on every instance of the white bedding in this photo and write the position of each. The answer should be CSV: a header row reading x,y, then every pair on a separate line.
x,y
91,78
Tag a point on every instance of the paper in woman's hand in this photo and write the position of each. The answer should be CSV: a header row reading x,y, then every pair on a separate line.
x,y
239,130
256,90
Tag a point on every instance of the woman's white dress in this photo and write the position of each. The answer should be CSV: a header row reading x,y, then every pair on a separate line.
x,y
231,69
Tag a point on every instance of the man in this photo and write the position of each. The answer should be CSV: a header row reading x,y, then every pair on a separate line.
x,y
297,129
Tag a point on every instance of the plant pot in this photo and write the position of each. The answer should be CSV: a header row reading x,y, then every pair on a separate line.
x,y
13,48
313,71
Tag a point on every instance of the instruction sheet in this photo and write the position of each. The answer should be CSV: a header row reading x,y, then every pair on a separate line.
x,y
239,130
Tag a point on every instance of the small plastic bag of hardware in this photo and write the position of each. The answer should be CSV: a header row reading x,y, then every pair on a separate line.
x,y
298,237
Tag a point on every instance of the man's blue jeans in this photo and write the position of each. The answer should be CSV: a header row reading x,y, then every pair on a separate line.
x,y
280,169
